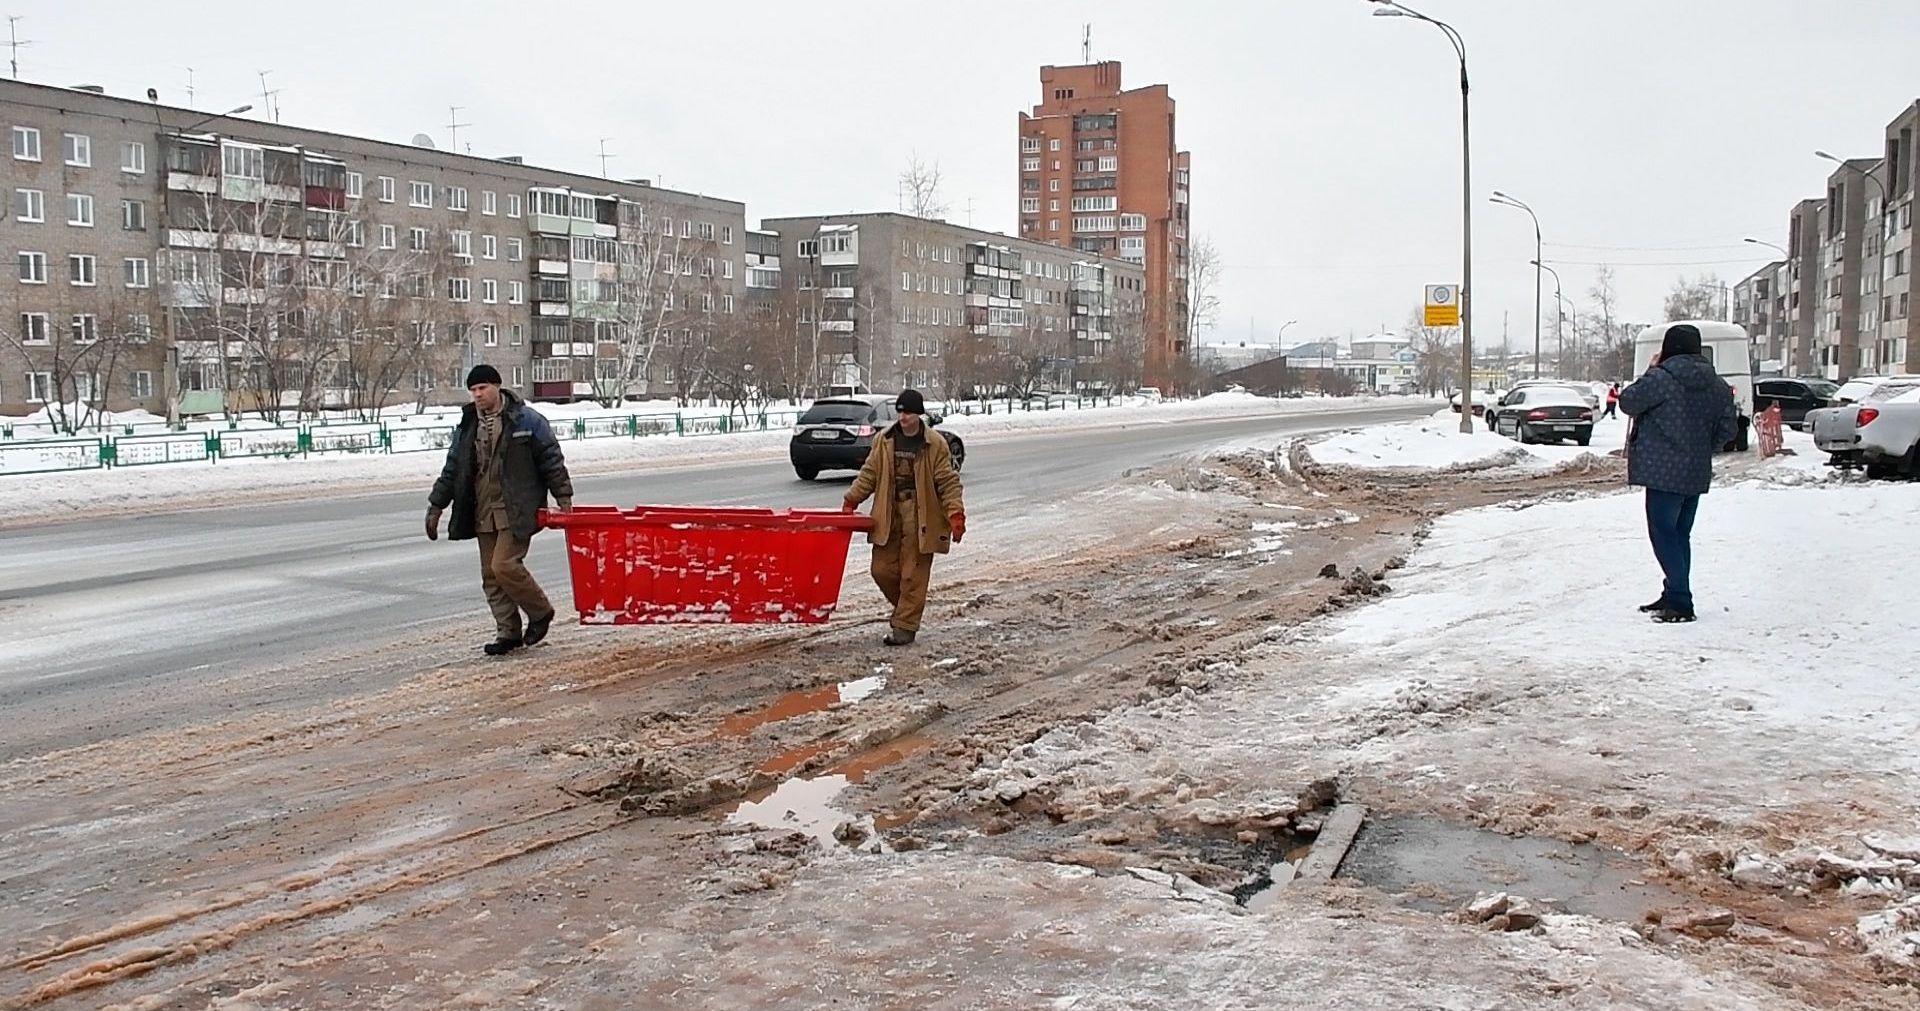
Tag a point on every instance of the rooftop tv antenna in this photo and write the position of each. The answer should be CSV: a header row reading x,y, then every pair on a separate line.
x,y
269,103
454,125
189,87
1086,43
605,156
14,42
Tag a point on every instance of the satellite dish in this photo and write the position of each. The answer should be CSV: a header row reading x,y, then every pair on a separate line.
x,y
422,140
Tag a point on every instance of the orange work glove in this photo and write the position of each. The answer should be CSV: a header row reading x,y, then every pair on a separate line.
x,y
958,523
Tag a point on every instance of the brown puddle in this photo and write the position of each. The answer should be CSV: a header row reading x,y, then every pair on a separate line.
x,y
802,702
805,803
793,758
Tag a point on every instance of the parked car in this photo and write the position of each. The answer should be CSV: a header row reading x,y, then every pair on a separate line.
x,y
1151,393
1544,414
1880,432
836,433
1481,398
1585,390
1795,396
1854,390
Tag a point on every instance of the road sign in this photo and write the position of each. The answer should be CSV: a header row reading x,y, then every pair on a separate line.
x,y
1443,305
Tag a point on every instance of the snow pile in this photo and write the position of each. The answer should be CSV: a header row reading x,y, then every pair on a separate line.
x,y
1437,443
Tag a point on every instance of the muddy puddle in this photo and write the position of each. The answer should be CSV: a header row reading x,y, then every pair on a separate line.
x,y
1439,866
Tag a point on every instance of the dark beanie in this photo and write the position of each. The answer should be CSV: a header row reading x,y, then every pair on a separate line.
x,y
489,374
1682,339
911,402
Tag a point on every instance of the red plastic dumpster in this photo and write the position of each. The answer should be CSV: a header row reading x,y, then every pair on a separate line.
x,y
678,564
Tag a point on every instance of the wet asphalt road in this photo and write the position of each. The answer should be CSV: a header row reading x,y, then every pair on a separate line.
x,y
117,626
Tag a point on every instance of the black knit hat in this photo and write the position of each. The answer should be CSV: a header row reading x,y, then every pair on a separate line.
x,y
1682,339
483,374
910,402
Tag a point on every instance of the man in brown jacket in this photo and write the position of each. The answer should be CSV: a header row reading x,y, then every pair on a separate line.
x,y
917,511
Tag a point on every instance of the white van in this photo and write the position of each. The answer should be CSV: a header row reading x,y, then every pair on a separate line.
x,y
1726,347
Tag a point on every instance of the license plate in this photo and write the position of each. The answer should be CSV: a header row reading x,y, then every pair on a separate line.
x,y
823,434
1563,428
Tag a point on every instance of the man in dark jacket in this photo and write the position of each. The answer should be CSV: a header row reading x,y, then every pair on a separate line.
x,y
503,463
1682,412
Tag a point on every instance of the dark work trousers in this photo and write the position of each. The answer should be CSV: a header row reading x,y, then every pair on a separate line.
x,y
1670,528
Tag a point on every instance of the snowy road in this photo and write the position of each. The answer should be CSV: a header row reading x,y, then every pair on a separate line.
x,y
118,626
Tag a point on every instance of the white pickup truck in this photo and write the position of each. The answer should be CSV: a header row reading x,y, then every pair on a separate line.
x,y
1880,431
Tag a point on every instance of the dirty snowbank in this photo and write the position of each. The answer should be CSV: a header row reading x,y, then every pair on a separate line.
x,y
1436,443
945,930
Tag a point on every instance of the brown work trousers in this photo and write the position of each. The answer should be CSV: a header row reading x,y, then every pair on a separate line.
x,y
510,587
901,569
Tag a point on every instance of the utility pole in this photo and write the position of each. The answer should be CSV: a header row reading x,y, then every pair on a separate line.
x,y
14,42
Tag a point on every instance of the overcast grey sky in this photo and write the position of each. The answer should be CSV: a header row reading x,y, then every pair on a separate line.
x,y
1325,141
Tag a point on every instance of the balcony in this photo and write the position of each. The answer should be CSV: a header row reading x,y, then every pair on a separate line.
x,y
187,182
836,293
553,309
836,326
557,268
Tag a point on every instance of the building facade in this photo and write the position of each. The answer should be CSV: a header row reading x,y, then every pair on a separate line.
x,y
1754,311
1899,327
1101,172
1803,285
169,259
1843,245
887,301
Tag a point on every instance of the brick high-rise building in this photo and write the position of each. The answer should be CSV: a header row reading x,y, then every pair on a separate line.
x,y
1101,172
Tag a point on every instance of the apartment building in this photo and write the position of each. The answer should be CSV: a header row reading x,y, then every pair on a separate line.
x,y
1899,325
1755,310
167,258
1803,285
1101,172
889,300
1846,236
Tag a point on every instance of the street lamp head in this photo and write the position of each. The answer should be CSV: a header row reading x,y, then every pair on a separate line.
x,y
1388,11
1497,195
1823,154
237,111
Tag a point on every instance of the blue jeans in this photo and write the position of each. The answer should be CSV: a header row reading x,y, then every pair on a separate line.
x,y
1670,528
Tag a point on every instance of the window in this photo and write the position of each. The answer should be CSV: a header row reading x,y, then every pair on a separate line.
x,y
726,269
726,235
417,239
489,334
33,328
906,281
39,387
80,210
706,302
516,294
515,335
1053,186
1053,144
133,215
80,150
26,143
706,231
386,189
1053,205
726,303
514,250
513,205
1084,204
1109,163
29,205
706,267
356,185
686,228
1133,223
86,328
80,270
489,247
419,194
138,272
133,157
1029,144
356,236
456,198
1029,164
389,237
242,161
1030,205
1054,225
462,243
140,384
489,291
489,202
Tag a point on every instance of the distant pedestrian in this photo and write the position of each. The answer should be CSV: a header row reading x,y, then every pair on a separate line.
x,y
1613,402
917,511
503,463
1682,412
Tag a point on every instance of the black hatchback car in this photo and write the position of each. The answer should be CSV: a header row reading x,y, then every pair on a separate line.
x,y
1795,396
836,433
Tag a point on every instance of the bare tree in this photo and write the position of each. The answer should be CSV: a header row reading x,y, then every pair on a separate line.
x,y
920,189
73,357
1699,298
1436,351
1203,275
1607,341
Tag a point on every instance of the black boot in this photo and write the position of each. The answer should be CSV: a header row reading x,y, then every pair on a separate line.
x,y
1672,616
1658,605
501,646
898,637
537,629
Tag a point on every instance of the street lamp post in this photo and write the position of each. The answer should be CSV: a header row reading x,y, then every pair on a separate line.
x,y
1560,322
1769,245
1394,9
1280,339
1507,201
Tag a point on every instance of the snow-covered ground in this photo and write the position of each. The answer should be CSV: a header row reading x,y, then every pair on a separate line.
x,y
44,495
1437,443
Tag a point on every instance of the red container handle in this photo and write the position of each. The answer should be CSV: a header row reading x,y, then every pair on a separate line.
x,y
603,516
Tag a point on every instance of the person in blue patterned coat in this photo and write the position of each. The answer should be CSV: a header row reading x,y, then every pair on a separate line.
x,y
1682,412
